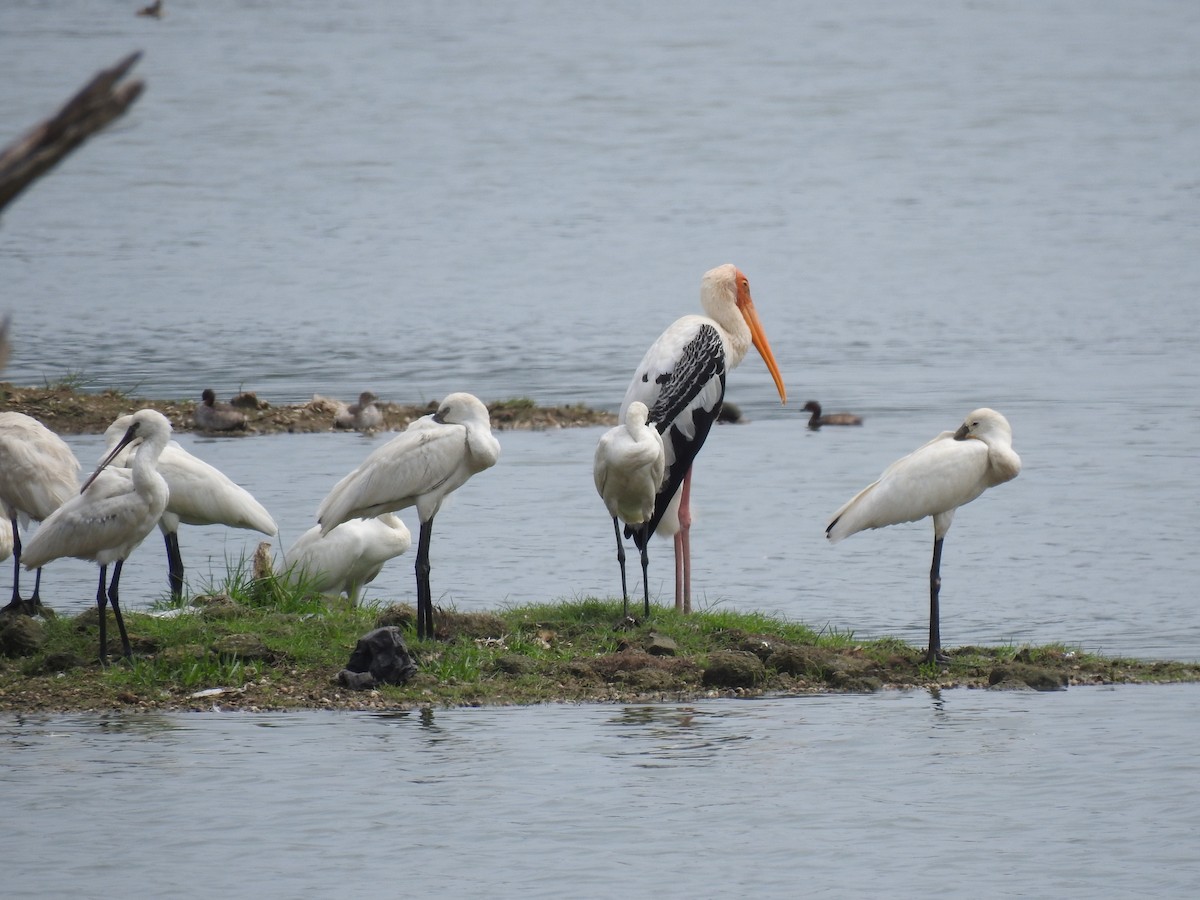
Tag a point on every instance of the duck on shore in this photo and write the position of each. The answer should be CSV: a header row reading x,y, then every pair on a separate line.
x,y
210,415
361,416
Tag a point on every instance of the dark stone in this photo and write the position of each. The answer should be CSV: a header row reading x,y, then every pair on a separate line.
x,y
734,668
380,655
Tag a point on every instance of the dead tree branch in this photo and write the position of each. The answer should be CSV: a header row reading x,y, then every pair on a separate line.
x,y
41,148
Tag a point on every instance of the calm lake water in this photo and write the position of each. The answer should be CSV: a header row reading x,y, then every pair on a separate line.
x,y
939,207
971,794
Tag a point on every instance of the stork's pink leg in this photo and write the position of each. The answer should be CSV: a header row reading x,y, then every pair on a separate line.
x,y
685,546
678,571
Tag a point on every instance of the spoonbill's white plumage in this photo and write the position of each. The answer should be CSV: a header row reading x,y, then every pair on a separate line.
x,y
200,494
934,480
435,455
629,466
6,534
816,420
213,415
361,416
681,379
110,516
349,556
38,474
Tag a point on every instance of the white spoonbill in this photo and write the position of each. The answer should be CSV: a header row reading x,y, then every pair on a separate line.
x,y
348,557
6,533
38,474
361,416
681,379
213,415
110,516
200,494
628,469
934,480
435,455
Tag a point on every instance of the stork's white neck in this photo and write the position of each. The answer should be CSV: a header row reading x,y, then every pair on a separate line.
x,y
718,297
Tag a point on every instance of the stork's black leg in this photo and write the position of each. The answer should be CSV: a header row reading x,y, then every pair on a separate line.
x,y
934,653
646,576
424,594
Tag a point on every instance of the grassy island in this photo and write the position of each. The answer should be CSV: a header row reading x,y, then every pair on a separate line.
x,y
257,644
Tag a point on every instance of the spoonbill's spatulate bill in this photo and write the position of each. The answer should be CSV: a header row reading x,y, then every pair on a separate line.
x,y
348,557
816,420
435,455
628,469
681,379
38,474
934,480
200,494
110,516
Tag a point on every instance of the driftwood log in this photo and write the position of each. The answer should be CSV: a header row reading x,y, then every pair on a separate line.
x,y
41,148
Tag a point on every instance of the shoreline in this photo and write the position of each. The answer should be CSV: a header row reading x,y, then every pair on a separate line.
x,y
262,646
65,410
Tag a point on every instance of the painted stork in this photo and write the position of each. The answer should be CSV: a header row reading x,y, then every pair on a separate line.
x,y
681,379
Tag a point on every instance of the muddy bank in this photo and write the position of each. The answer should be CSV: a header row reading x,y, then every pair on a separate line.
x,y
254,655
65,410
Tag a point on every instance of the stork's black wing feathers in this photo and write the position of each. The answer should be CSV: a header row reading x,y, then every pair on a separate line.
x,y
682,422
702,358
